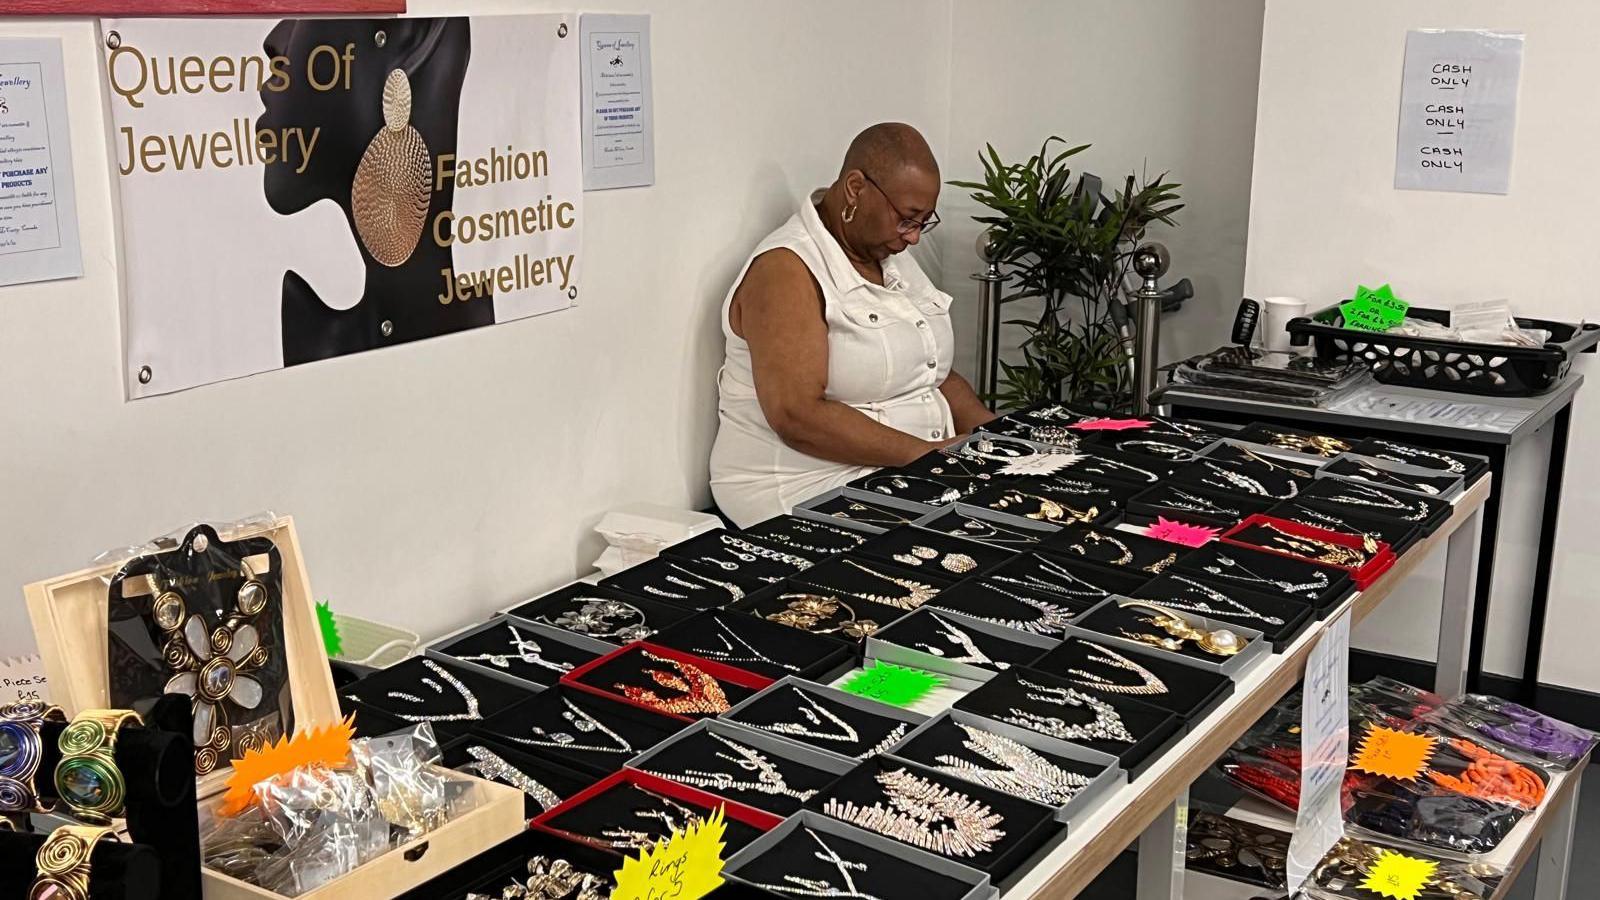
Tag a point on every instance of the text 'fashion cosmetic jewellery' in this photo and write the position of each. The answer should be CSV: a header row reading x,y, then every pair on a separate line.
x,y
699,692
488,764
917,593
796,886
836,730
727,654
768,778
924,814
21,749
807,611
1150,683
1048,510
1217,641
393,186
584,724
1107,724
468,713
524,649
87,778
1021,772
62,864
602,617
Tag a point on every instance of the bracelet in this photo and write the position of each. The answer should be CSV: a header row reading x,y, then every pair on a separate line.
x,y
21,749
62,864
87,778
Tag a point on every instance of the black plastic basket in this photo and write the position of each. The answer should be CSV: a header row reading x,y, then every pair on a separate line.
x,y
1465,368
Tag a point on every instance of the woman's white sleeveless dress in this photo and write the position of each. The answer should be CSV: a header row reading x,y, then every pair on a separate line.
x,y
889,349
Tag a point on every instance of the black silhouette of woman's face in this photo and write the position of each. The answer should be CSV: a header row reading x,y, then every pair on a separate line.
x,y
343,121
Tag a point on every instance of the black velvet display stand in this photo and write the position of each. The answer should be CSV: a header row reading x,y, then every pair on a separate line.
x,y
157,764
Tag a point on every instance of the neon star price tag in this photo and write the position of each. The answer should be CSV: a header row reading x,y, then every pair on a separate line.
x,y
1373,310
686,866
1181,533
891,684
1399,877
1393,754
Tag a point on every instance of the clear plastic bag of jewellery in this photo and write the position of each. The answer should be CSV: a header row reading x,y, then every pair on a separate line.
x,y
1348,869
1510,727
227,531
328,823
398,771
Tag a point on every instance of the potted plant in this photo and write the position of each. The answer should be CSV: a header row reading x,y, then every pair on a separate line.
x,y
1062,241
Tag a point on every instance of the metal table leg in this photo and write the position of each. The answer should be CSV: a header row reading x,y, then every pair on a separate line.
x,y
1459,614
1491,535
1540,601
1555,849
1163,853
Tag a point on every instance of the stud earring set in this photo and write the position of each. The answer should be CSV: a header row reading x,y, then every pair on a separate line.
x,y
959,563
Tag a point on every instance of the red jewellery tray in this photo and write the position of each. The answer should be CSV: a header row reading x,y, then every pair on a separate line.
x,y
720,671
1363,575
737,812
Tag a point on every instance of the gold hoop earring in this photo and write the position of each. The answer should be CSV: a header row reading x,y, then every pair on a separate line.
x,y
392,190
849,214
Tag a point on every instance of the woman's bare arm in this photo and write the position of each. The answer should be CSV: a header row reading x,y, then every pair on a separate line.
x,y
965,405
778,311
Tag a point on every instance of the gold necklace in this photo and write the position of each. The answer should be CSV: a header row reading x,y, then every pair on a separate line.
x,y
1318,550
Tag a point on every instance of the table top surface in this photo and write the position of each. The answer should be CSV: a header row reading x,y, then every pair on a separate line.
x,y
1096,837
1383,407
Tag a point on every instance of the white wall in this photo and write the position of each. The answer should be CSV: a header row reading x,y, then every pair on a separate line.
x,y
1324,216
437,481
1154,85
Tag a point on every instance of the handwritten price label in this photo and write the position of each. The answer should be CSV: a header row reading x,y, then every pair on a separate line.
x,y
686,866
1393,754
22,679
1374,310
1399,877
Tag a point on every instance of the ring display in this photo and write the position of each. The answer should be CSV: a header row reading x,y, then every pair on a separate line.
x,y
21,749
63,863
87,778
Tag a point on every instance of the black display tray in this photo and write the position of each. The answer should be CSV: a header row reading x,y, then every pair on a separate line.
x,y
615,806
909,485
986,530
1117,621
1380,474
1006,698
758,645
1458,366
1236,480
1057,501
1105,548
1400,536
1195,505
1338,495
806,713
1166,449
1176,588
682,583
580,609
967,474
748,767
1026,826
946,635
533,657
1031,612
1469,466
807,535
482,756
399,693
496,867
819,613
862,511
1200,564
1063,579
742,557
916,547
565,711
868,580
1111,465
1188,692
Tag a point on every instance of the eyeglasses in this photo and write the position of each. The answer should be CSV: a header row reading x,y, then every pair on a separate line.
x,y
907,224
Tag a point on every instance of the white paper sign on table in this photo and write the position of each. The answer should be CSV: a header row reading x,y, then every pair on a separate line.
x,y
38,210
1458,111
618,114
1324,751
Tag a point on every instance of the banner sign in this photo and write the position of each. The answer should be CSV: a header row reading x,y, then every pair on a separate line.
x,y
299,189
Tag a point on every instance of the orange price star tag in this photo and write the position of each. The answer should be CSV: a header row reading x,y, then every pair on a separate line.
x,y
1393,754
1399,877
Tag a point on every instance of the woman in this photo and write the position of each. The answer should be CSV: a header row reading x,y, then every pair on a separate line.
x,y
838,346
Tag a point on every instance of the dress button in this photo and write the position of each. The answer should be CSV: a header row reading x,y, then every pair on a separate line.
x,y
926,399
937,433
933,364
872,317
922,323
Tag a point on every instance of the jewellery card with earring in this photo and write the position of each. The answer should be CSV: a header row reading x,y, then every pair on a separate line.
x,y
807,535
600,613
1363,556
925,550
532,656
1123,726
595,735
205,619
666,681
758,645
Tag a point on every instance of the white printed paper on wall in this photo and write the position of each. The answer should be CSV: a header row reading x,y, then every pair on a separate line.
x,y
618,115
314,188
1458,111
38,211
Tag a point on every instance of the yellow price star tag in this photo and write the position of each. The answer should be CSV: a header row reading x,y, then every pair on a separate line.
x,y
686,866
1399,877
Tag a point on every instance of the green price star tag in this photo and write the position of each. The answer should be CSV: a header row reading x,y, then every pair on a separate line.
x,y
894,685
1373,310
331,639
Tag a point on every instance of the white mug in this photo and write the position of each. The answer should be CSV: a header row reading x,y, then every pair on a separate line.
x,y
1275,315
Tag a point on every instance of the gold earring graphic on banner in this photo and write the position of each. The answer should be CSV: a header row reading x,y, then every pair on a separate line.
x,y
849,214
392,189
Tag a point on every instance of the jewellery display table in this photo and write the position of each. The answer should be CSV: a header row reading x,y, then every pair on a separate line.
x,y
1488,426
1153,807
